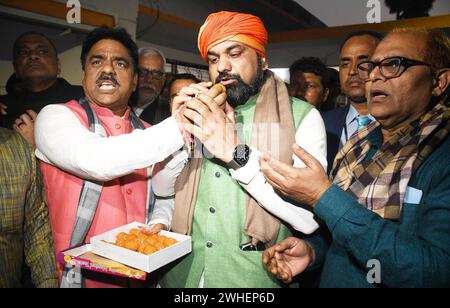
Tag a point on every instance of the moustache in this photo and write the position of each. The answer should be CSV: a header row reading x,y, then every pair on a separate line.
x,y
109,78
222,77
355,79
147,86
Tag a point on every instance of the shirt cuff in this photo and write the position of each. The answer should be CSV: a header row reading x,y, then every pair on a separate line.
x,y
246,174
333,205
172,131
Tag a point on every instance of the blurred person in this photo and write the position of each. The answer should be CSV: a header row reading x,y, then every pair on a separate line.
x,y
334,87
179,81
309,81
25,234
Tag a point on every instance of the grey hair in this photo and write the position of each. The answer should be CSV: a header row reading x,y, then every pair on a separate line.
x,y
149,51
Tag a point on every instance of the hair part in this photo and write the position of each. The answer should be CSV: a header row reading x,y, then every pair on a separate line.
x,y
117,34
16,42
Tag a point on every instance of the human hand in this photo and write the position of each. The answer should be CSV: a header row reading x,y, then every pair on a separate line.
x,y
289,258
213,125
3,110
153,229
24,125
304,185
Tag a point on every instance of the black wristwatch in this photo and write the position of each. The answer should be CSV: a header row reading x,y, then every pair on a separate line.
x,y
241,156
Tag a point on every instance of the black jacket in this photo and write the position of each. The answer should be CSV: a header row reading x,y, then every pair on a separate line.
x,y
20,101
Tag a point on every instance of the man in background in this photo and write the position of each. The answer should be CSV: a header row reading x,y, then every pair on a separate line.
x,y
150,105
342,123
36,67
309,81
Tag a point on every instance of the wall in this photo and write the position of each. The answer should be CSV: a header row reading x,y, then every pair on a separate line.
x,y
6,69
71,65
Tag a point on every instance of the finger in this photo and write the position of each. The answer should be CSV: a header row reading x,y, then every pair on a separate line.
x,y
268,254
18,122
273,177
16,128
194,116
307,158
204,84
25,118
196,88
3,108
286,277
218,114
278,166
178,102
286,244
229,111
221,100
201,108
195,130
32,114
189,91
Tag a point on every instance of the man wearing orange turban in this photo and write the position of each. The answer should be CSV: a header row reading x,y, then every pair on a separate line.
x,y
224,203
231,26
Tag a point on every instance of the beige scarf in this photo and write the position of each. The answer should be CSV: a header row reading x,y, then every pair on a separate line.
x,y
273,106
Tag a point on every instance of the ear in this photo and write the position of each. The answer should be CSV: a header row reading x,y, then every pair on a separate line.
x,y
441,82
265,65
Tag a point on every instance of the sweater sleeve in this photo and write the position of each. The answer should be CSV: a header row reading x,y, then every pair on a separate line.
x,y
420,259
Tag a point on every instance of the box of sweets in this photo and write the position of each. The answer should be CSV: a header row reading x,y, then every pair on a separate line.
x,y
134,248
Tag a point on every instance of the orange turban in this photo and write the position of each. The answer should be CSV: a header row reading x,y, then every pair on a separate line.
x,y
231,26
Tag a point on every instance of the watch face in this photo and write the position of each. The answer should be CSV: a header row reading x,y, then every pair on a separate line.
x,y
242,154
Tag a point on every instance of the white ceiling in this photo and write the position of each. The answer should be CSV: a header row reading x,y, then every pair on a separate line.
x,y
351,12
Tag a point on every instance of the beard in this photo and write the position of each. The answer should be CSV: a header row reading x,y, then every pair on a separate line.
x,y
146,94
239,92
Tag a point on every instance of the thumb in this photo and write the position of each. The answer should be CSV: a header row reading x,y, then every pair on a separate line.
x,y
229,111
307,158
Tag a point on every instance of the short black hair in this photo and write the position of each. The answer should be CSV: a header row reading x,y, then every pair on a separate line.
x,y
184,76
376,35
117,34
311,65
16,42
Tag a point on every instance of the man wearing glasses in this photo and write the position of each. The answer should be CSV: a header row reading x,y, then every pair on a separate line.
x,y
388,205
150,105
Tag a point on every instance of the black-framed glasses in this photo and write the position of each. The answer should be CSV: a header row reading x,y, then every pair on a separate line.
x,y
391,67
155,74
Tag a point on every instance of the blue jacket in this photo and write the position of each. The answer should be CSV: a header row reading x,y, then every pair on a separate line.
x,y
334,124
413,252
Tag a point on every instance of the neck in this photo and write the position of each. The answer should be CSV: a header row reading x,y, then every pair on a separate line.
x,y
120,111
362,108
39,85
